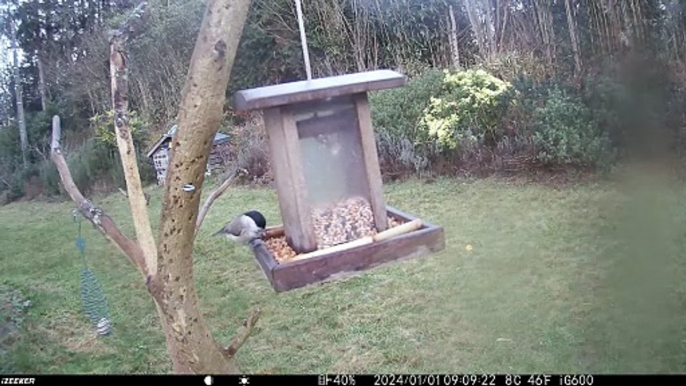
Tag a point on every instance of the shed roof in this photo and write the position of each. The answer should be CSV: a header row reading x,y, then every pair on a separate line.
x,y
218,138
308,90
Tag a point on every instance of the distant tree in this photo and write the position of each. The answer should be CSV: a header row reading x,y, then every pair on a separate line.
x,y
19,98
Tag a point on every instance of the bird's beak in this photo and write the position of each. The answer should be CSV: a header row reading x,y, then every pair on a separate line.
x,y
217,234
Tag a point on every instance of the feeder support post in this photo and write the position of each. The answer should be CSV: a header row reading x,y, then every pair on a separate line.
x,y
289,179
371,161
303,39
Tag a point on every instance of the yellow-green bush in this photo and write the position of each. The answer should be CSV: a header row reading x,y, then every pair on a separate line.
x,y
447,118
398,111
103,126
467,111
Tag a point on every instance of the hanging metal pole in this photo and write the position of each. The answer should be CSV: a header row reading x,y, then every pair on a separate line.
x,y
303,39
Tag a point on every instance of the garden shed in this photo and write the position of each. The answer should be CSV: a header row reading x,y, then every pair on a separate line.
x,y
159,153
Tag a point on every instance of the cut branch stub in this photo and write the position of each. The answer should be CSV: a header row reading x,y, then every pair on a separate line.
x,y
125,145
243,335
215,194
96,216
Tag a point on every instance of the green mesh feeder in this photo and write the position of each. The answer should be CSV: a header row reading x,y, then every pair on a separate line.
x,y
93,298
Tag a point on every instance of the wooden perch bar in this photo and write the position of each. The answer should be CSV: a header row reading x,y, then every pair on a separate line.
x,y
385,235
274,231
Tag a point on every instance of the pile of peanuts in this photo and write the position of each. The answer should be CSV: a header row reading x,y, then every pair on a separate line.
x,y
279,247
342,228
393,222
344,221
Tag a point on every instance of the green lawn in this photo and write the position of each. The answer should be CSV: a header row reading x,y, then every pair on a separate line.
x,y
580,278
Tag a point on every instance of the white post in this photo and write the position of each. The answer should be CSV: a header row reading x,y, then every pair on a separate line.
x,y
303,39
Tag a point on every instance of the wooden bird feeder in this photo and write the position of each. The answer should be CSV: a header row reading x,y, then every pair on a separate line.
x,y
329,186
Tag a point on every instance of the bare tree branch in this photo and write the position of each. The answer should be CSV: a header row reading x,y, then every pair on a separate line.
x,y
127,151
95,215
4,181
36,150
215,194
243,335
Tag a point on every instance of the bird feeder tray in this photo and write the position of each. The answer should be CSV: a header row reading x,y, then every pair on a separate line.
x,y
294,272
326,170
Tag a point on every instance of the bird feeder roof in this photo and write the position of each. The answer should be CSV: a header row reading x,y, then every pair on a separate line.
x,y
322,88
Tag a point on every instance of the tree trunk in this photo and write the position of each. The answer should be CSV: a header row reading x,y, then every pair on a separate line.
x,y
476,27
638,20
454,49
490,30
190,342
572,36
502,27
41,82
168,264
544,19
21,119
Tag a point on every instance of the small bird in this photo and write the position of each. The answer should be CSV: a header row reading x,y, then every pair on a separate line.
x,y
244,227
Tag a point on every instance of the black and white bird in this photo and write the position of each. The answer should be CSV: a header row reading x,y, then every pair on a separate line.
x,y
244,227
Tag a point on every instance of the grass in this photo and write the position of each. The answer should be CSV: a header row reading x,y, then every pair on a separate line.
x,y
581,278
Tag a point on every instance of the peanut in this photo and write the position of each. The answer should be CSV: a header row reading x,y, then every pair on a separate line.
x,y
347,221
